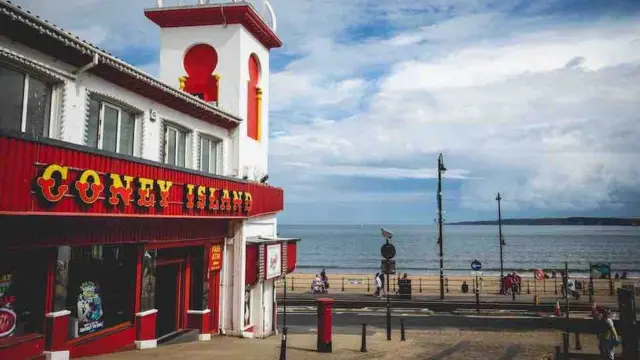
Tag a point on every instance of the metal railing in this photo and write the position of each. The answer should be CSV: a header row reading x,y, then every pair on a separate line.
x,y
262,7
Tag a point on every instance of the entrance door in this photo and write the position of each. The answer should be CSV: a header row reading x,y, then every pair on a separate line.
x,y
167,298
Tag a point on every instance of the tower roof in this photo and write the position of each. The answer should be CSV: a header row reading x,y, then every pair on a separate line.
x,y
216,14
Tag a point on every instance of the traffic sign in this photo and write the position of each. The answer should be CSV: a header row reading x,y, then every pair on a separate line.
x,y
388,251
476,265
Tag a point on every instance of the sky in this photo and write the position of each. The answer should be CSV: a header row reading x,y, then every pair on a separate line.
x,y
538,100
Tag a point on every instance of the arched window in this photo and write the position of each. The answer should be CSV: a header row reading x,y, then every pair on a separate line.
x,y
254,99
199,63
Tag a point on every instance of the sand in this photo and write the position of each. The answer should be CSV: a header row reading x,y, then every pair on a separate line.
x,y
426,285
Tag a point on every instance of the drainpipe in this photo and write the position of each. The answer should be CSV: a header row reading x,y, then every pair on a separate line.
x,y
94,62
222,293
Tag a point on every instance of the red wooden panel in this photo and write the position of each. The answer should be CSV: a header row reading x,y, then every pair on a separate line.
x,y
21,347
251,265
292,256
22,161
68,230
104,344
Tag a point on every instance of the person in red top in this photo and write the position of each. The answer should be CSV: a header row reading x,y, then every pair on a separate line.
x,y
508,282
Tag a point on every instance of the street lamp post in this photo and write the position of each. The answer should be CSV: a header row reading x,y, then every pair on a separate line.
x,y
502,289
283,344
441,169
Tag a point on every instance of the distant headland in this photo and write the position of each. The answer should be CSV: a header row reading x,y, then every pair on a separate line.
x,y
558,221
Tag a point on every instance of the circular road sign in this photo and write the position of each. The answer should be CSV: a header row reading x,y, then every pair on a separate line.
x,y
388,251
476,265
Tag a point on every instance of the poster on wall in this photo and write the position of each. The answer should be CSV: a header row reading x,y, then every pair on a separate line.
x,y
8,318
247,307
274,260
216,257
89,308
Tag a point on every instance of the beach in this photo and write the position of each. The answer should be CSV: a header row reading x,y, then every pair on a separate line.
x,y
430,285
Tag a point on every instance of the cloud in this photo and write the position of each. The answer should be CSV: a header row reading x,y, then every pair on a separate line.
x,y
537,100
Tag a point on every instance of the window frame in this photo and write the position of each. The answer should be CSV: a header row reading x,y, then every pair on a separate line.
x,y
55,88
213,141
101,123
168,126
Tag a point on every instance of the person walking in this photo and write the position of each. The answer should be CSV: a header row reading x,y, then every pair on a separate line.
x,y
377,284
608,337
325,279
383,291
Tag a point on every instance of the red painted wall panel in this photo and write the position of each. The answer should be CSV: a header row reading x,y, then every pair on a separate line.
x,y
292,256
146,327
23,349
23,160
251,265
105,344
69,230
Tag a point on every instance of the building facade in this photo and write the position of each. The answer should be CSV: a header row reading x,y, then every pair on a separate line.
x,y
137,209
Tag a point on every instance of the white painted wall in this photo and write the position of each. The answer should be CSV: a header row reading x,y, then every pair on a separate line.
x,y
234,45
73,102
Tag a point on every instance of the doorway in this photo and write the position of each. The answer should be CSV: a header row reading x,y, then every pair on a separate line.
x,y
167,298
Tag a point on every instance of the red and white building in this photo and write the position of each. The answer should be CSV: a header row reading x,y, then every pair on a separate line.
x,y
135,209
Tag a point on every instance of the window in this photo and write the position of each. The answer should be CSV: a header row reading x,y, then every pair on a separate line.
x,y
175,140
25,102
209,154
110,127
96,283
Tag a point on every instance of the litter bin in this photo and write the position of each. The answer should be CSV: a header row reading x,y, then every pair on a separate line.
x,y
404,288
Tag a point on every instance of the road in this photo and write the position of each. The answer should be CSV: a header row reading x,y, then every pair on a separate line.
x,y
453,302
301,320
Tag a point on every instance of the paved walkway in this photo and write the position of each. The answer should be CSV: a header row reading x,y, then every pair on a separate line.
x,y
446,344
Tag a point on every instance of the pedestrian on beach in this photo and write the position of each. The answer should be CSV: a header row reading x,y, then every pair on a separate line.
x,y
324,278
383,291
378,285
608,337
465,287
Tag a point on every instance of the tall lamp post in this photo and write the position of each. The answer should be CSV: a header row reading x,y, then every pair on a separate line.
x,y
283,343
441,169
498,199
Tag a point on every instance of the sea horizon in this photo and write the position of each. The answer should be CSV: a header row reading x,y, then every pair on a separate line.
x,y
354,248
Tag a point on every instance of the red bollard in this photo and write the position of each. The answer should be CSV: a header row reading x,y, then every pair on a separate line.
x,y
324,325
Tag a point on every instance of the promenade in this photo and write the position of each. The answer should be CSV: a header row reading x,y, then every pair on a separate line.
x,y
449,344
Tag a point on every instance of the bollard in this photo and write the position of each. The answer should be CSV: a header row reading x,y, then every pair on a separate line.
x,y
565,345
402,336
292,281
544,286
557,353
343,284
578,345
610,287
324,343
420,281
528,287
368,285
363,345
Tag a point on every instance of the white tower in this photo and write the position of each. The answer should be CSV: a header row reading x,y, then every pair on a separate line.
x,y
220,52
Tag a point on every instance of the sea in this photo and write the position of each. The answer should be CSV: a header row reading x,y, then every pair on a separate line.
x,y
355,249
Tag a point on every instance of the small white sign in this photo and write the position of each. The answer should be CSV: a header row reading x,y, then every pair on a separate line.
x,y
274,260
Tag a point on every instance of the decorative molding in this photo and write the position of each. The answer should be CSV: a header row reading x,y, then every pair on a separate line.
x,y
195,149
198,312
146,344
34,65
261,261
58,314
62,114
146,313
115,100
